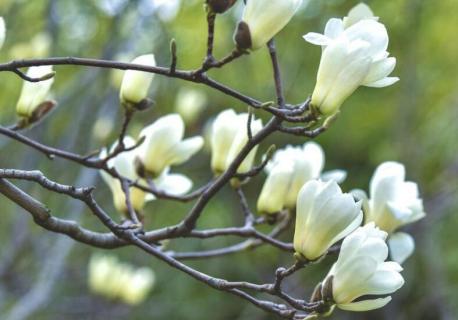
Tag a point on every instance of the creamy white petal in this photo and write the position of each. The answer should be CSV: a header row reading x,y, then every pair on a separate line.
x,y
273,193
380,70
372,32
365,305
386,82
224,130
334,28
317,39
338,176
357,13
382,282
2,32
266,18
401,245
174,184
184,150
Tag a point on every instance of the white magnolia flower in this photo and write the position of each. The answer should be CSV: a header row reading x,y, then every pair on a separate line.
x,y
229,136
190,103
124,163
135,84
324,216
34,94
2,32
262,20
306,163
114,280
354,54
164,145
361,271
401,246
393,202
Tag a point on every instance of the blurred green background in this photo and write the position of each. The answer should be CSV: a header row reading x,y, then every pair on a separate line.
x,y
44,276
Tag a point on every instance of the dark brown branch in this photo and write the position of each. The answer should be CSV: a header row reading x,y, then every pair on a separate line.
x,y
179,74
277,73
29,79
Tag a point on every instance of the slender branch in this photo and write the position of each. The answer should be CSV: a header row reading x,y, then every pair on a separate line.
x,y
277,73
30,79
179,74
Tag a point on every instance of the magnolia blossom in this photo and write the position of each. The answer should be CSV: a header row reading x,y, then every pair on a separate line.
x,y
324,216
135,84
124,163
354,54
393,202
2,32
164,145
34,95
262,20
114,280
304,164
229,136
361,271
190,103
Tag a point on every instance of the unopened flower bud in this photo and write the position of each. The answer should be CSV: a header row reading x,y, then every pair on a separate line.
x,y
262,20
34,100
135,84
324,216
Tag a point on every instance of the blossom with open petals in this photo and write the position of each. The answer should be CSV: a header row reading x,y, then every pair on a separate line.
x,y
354,54
361,271
164,145
297,166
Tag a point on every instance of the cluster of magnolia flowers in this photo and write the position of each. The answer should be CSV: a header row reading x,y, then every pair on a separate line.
x,y
354,53
110,278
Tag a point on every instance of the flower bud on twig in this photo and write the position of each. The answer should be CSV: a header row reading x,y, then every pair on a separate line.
x,y
135,84
34,102
262,20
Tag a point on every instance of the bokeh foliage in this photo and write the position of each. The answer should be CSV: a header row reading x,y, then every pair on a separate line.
x,y
414,122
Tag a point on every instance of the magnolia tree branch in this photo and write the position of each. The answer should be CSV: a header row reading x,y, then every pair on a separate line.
x,y
120,234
